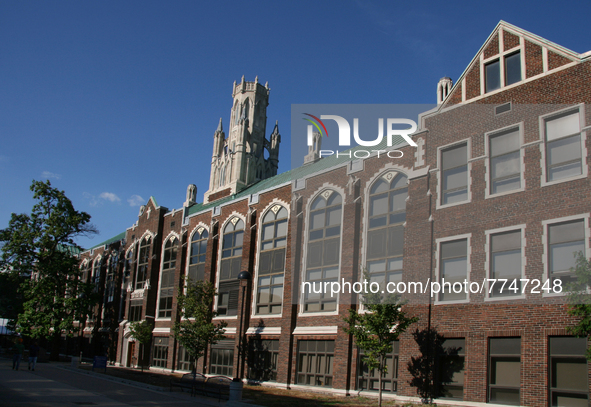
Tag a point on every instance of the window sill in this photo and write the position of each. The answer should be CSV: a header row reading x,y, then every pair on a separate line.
x,y
558,181
498,194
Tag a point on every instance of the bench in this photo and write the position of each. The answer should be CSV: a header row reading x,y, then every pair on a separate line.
x,y
190,381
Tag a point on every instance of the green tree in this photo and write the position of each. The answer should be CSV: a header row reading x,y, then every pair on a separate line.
x,y
375,329
579,299
41,247
141,331
195,331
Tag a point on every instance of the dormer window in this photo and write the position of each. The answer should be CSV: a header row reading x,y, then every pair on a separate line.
x,y
511,71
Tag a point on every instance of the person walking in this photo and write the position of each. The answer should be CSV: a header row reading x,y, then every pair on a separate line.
x,y
33,354
18,349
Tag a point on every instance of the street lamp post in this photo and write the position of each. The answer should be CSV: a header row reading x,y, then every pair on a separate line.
x,y
244,275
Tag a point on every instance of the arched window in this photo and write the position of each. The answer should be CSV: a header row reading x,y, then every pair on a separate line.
x,y
85,272
230,267
197,255
385,237
271,264
167,278
324,242
143,261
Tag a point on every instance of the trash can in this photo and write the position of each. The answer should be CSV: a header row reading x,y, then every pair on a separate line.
x,y
235,390
75,361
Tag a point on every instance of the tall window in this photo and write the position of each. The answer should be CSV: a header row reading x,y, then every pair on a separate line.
x,y
230,267
385,240
129,263
568,372
324,241
453,359
167,278
110,283
222,358
135,310
143,261
272,261
492,71
505,263
453,269
315,360
369,379
262,360
505,162
184,360
197,256
504,370
454,166
85,272
565,241
563,146
96,271
160,352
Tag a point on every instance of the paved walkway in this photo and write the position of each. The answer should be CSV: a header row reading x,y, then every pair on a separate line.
x,y
56,385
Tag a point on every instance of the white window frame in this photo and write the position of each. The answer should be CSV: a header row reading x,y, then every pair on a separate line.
x,y
188,259
171,235
219,257
467,237
583,136
487,268
545,235
341,192
439,204
501,55
258,255
487,136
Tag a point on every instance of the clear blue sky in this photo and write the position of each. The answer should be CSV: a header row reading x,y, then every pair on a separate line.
x,y
116,100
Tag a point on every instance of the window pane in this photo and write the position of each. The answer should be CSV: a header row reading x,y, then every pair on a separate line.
x,y
493,76
281,228
505,165
567,232
562,126
562,256
565,149
570,375
454,157
455,178
512,68
504,143
268,231
378,205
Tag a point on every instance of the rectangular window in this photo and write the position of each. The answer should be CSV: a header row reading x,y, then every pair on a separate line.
x,y
568,372
492,73
512,68
184,360
453,269
160,352
504,370
451,366
505,162
563,146
166,293
315,363
222,358
135,311
566,240
262,361
505,263
454,165
369,379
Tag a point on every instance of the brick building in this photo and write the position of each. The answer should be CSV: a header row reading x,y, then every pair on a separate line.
x,y
498,188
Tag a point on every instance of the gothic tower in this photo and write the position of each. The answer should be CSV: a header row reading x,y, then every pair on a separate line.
x,y
245,156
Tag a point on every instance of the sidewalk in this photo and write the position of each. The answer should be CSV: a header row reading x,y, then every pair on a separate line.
x,y
56,384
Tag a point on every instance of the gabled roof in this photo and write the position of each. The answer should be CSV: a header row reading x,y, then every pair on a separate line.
x,y
528,36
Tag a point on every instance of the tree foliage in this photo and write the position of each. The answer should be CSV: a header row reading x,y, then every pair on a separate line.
x,y
435,367
196,331
141,331
41,247
579,298
375,329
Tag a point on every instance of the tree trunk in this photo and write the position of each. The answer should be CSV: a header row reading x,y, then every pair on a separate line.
x,y
55,345
142,361
381,369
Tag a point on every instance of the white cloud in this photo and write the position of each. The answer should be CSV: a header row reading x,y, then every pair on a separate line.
x,y
47,174
92,201
109,196
136,200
